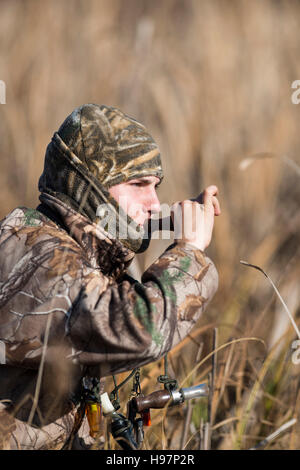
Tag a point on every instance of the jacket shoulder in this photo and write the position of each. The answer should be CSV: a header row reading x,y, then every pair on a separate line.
x,y
23,219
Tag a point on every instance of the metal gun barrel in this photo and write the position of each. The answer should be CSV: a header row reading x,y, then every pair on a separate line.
x,y
197,391
161,398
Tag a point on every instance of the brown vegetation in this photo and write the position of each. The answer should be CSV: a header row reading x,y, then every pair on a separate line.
x,y
211,79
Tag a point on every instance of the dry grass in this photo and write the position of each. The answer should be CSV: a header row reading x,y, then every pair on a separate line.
x,y
212,81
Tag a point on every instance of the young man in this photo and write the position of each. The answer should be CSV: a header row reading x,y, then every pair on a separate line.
x,y
68,309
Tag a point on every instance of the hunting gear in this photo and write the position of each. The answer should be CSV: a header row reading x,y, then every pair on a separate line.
x,y
70,315
129,432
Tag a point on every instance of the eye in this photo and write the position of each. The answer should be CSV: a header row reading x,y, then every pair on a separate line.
x,y
142,184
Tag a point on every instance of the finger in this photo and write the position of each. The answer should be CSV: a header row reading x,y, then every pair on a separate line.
x,y
216,205
208,201
210,190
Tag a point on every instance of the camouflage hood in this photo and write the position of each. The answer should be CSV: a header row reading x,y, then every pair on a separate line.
x,y
110,256
95,148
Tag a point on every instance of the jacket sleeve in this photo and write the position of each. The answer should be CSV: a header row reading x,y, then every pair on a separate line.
x,y
133,323
53,296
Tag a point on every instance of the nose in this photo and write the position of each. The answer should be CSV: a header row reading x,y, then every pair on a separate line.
x,y
153,203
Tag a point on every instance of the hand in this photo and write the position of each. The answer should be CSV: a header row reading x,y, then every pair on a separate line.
x,y
193,219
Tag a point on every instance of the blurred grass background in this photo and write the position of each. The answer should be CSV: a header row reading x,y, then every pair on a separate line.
x,y
211,79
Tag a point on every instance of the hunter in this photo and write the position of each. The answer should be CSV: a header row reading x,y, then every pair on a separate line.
x,y
68,308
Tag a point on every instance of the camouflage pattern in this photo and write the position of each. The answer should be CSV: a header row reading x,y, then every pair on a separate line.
x,y
69,309
113,146
99,320
95,148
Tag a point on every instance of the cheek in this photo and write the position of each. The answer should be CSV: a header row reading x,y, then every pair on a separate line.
x,y
132,201
136,207
123,195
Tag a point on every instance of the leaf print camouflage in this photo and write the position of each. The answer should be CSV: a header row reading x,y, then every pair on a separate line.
x,y
67,306
95,148
141,311
32,217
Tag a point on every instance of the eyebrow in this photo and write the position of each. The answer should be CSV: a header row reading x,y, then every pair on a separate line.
x,y
146,179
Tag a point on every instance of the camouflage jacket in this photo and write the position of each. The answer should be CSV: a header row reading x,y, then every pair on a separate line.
x,y
68,309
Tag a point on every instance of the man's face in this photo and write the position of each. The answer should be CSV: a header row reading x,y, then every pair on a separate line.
x,y
138,197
